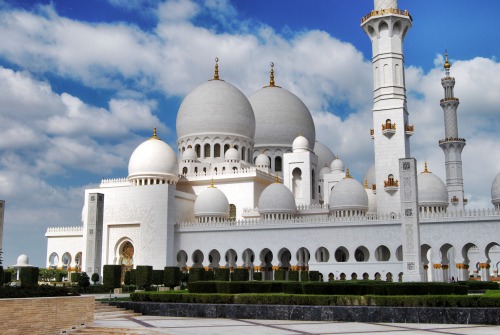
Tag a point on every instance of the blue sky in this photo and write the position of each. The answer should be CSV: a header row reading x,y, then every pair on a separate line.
x,y
82,83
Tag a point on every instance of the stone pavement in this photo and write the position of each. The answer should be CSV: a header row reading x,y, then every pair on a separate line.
x,y
109,321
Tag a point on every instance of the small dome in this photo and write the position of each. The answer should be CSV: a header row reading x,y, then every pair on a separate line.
x,y
189,155
232,155
211,202
152,157
495,190
431,190
369,177
348,194
325,155
300,144
337,165
216,107
323,171
277,199
23,260
262,160
276,106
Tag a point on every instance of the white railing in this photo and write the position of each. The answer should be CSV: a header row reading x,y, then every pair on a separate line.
x,y
115,181
73,229
228,172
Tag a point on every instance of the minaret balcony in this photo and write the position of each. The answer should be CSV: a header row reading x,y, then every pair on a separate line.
x,y
450,99
388,129
391,185
372,132
409,129
452,139
386,11
454,200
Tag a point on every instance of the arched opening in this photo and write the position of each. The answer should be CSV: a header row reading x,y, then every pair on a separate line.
x,y
399,253
322,255
297,183
182,258
278,164
184,170
78,262
388,277
231,258
126,258
341,255
366,276
243,151
232,212
226,148
206,150
313,184
197,150
214,259
266,259
197,258
354,276
361,254
53,260
66,261
284,257
382,254
248,258
303,257
217,150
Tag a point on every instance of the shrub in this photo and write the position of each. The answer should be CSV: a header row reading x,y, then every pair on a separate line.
x,y
257,276
133,277
221,274
143,276
232,287
202,287
304,276
38,291
83,280
292,288
74,277
257,287
196,274
7,277
209,275
240,275
157,277
95,277
126,278
279,274
293,275
481,285
2,276
111,276
171,276
29,277
314,275
317,288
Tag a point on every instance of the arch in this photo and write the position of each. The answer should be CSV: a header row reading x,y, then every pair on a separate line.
x,y
248,258
78,261
214,259
278,164
366,276
243,152
313,184
184,170
53,260
361,254
231,258
396,28
126,259
303,255
399,253
397,71
322,255
66,260
377,276
297,183
266,258
371,31
206,150
217,150
226,148
386,74
342,276
197,258
182,259
195,169
232,212
249,156
197,149
400,277
354,276
284,257
341,255
383,28
382,254
388,277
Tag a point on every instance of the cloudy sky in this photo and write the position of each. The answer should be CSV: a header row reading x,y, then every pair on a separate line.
x,y
82,83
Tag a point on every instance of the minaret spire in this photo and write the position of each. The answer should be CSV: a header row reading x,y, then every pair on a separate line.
x,y
452,144
216,72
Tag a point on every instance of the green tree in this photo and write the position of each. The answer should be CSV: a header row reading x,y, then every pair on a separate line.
x,y
95,278
83,280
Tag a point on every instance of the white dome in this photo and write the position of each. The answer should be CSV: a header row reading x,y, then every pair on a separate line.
x,y
431,190
211,202
232,155
323,171
369,177
280,116
337,165
262,160
216,107
189,155
495,190
325,155
152,157
277,199
23,260
300,144
348,194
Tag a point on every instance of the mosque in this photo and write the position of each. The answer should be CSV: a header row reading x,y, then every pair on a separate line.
x,y
250,187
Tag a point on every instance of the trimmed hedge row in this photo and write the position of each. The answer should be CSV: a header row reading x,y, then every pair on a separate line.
x,y
319,300
29,277
111,276
7,292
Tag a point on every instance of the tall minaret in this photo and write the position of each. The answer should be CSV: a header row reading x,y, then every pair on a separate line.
x,y
452,145
386,26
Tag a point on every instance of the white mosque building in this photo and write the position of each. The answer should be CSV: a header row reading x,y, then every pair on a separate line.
x,y
250,187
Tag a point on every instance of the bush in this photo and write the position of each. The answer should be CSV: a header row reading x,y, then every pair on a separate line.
x,y
74,277
221,274
111,276
257,287
293,275
133,276
38,291
209,275
143,276
2,276
202,287
314,276
126,278
196,274
83,280
304,276
481,285
257,276
95,277
171,276
7,277
279,274
232,287
29,277
240,275
157,277
425,289
292,288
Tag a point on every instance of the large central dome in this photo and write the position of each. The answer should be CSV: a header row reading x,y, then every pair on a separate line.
x,y
218,108
280,117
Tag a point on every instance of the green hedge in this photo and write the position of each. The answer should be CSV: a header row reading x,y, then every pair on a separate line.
x,y
293,275
481,285
29,277
257,276
221,274
74,277
171,276
279,274
202,287
196,274
157,277
304,276
2,276
240,275
7,292
111,276
7,277
209,275
143,276
126,278
314,275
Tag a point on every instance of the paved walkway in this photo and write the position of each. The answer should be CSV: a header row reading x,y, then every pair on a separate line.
x,y
109,321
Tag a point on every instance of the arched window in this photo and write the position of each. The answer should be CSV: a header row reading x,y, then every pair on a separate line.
x,y
249,155
278,164
313,184
196,170
184,170
217,150
53,260
243,151
207,150
197,150
232,212
297,183
226,148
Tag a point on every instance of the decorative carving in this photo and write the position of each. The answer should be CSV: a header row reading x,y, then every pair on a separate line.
x,y
406,166
126,213
410,246
407,191
408,212
410,266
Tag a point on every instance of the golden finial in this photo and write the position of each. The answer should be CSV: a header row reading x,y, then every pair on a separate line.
x,y
216,74
366,182
277,179
154,134
271,76
347,173
447,64
425,168
212,183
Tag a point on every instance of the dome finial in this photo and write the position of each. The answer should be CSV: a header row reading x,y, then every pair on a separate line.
x,y
347,174
154,135
271,75
425,168
212,183
447,63
216,73
366,183
277,179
